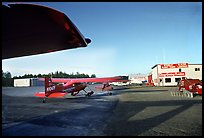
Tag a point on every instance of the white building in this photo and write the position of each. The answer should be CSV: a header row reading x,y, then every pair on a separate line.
x,y
170,74
27,82
120,83
21,82
138,78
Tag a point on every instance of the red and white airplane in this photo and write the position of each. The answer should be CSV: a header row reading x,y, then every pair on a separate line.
x,y
74,86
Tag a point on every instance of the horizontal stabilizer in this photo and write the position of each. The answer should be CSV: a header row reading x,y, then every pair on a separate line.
x,y
40,94
52,95
57,95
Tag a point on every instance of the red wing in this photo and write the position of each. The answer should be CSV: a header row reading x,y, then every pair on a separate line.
x,y
29,29
105,79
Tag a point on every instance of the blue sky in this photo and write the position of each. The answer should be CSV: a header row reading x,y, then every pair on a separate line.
x,y
127,38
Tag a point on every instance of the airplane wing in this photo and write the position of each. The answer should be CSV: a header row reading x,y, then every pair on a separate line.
x,y
77,80
29,29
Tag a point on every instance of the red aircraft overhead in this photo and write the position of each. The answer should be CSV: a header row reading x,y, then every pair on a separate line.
x,y
29,29
73,86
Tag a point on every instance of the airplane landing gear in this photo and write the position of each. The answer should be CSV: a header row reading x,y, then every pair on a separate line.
x,y
44,100
110,93
89,93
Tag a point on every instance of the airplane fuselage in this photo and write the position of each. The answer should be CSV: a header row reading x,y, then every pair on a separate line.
x,y
54,91
72,88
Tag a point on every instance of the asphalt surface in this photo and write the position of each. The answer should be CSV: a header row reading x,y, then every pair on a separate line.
x,y
130,111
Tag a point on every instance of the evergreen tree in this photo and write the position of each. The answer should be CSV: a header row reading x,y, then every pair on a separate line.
x,y
6,79
93,76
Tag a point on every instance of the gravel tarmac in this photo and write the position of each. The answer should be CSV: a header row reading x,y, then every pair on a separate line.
x,y
130,111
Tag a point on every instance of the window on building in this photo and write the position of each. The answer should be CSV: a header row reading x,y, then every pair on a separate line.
x,y
197,69
167,80
177,80
179,70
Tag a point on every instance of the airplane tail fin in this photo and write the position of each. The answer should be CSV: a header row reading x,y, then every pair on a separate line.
x,y
49,86
51,90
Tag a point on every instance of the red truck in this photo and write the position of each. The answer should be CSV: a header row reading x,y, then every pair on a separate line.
x,y
189,88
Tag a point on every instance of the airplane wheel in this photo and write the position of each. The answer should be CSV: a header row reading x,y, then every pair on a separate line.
x,y
110,93
44,101
90,93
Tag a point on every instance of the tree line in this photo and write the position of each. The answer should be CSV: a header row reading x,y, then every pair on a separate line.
x,y
7,79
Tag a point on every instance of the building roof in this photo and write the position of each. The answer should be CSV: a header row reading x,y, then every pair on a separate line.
x,y
175,63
